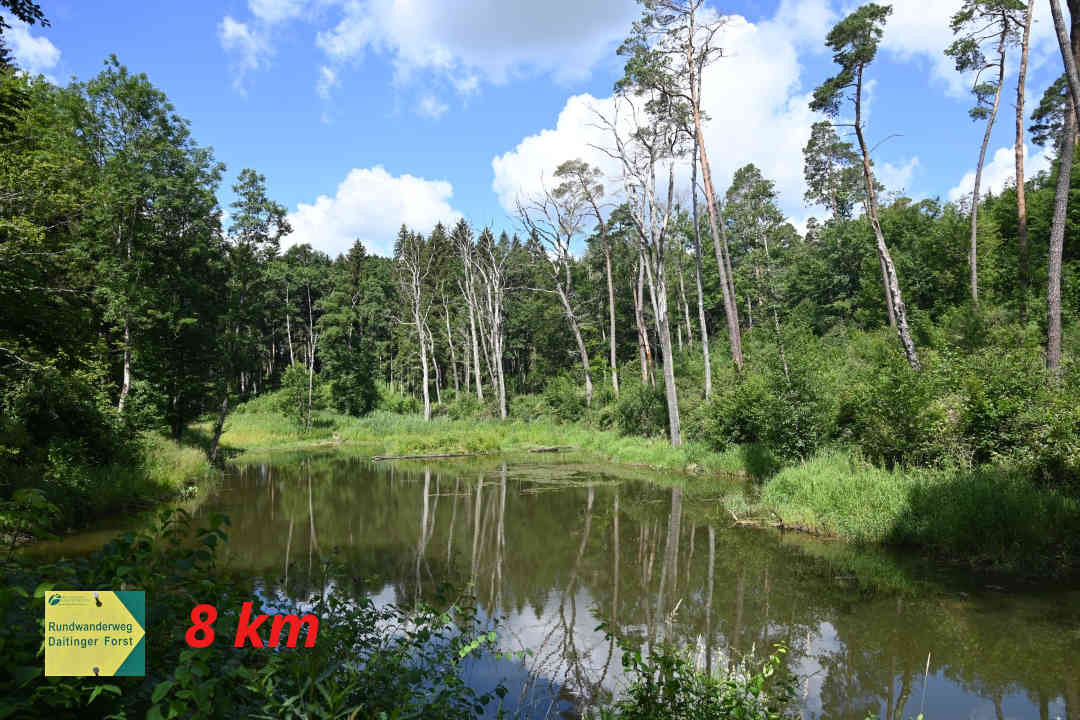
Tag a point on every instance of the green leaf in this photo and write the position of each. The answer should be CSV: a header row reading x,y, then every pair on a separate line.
x,y
161,691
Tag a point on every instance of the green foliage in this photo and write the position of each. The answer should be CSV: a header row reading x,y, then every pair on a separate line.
x,y
668,685
392,400
367,661
564,396
297,399
641,410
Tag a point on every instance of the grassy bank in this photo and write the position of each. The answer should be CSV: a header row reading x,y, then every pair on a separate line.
x,y
988,516
73,495
384,433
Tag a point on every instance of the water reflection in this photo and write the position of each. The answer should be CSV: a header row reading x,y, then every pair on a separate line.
x,y
559,549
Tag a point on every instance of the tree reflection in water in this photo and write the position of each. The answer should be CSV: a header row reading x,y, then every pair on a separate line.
x,y
556,550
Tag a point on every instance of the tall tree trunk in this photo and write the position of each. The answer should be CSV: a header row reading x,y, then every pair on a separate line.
x,y
611,313
288,327
1069,50
682,299
582,350
658,291
311,360
1057,240
637,290
126,387
423,366
973,264
453,353
726,283
476,354
435,366
1068,55
703,330
219,426
1021,191
892,282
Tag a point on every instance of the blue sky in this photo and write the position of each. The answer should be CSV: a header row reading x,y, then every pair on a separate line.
x,y
363,114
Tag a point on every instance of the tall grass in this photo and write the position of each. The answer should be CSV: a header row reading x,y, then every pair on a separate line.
x,y
988,516
384,433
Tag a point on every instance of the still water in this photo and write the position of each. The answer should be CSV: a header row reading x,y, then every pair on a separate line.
x,y
556,548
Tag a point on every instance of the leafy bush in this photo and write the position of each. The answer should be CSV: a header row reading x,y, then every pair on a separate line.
x,y
367,662
528,407
394,401
669,686
641,410
897,418
565,398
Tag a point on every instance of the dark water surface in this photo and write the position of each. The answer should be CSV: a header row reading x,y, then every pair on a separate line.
x,y
556,548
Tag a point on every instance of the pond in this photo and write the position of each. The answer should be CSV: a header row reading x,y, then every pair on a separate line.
x,y
554,548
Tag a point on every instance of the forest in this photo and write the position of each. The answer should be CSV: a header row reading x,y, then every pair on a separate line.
x,y
900,371
919,335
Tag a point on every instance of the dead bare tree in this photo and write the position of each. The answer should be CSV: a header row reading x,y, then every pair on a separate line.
x,y
644,145
413,264
552,220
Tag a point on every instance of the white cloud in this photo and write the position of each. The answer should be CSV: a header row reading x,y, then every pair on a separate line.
x,y
328,79
250,48
1000,172
35,55
430,106
897,178
759,75
492,39
919,29
272,11
370,205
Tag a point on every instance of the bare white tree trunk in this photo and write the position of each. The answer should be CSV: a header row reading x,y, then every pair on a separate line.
x,y
973,264
1018,148
703,330
892,287
126,388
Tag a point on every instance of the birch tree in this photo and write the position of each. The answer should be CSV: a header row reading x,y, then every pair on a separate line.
x,y
490,263
413,263
462,238
552,220
854,41
978,22
646,145
583,179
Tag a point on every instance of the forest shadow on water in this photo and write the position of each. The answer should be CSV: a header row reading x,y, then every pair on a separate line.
x,y
555,550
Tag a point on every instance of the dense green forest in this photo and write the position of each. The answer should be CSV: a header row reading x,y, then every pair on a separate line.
x,y
134,301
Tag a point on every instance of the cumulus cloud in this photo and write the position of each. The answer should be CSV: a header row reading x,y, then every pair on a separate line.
x,y
492,39
35,55
370,205
1000,172
250,48
759,76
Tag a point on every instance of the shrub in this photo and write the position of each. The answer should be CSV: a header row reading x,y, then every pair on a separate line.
x,y
393,401
641,410
565,397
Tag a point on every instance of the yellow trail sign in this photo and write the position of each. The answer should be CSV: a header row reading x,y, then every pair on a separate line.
x,y
95,632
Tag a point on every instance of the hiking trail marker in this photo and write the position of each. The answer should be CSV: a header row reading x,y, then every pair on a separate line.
x,y
95,633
